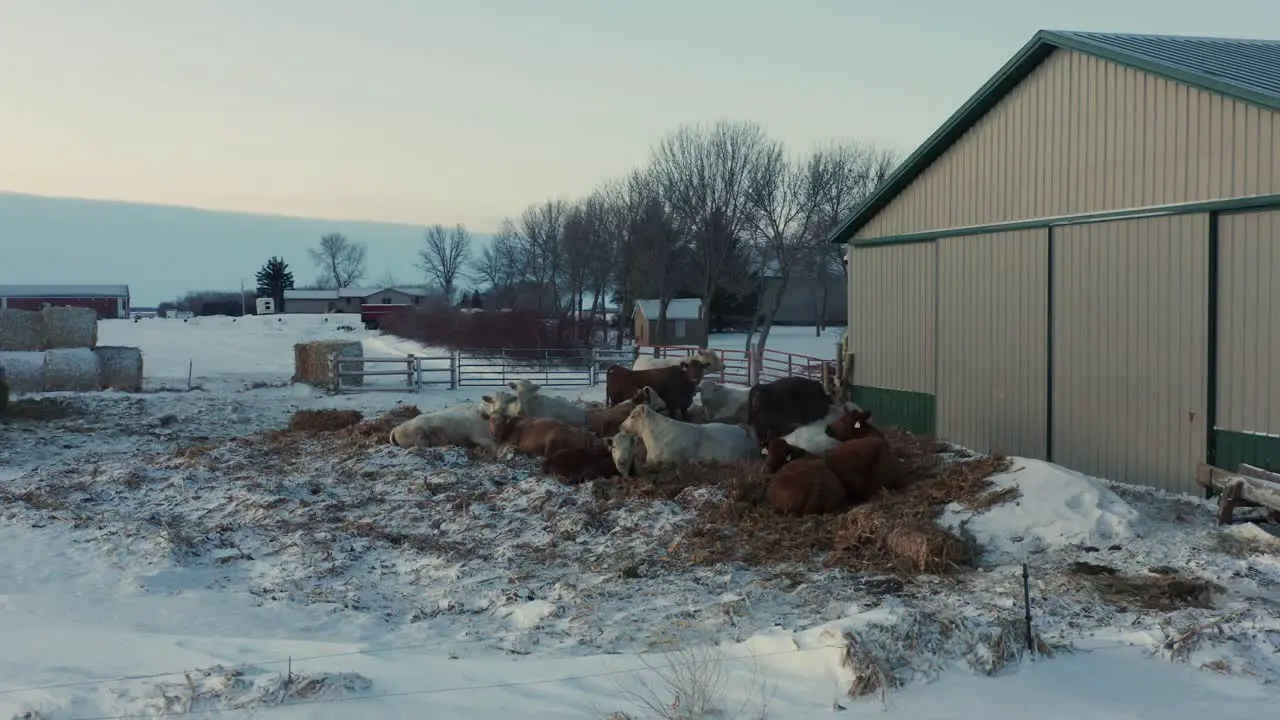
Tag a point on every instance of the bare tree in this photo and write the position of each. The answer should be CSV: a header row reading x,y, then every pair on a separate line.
x,y
540,251
783,198
341,262
705,177
845,175
444,254
496,262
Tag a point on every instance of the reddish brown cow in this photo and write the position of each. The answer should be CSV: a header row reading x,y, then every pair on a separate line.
x,y
780,452
676,385
577,465
604,422
854,424
540,437
776,408
806,487
857,462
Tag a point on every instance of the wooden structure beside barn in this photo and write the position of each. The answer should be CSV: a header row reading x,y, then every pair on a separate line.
x,y
685,323
110,301
1077,266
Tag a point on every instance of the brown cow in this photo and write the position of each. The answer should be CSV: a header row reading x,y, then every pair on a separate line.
x,y
859,466
540,437
780,452
676,385
577,465
604,422
854,424
806,487
776,408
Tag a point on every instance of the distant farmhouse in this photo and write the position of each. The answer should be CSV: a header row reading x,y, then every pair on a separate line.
x,y
684,326
111,301
349,299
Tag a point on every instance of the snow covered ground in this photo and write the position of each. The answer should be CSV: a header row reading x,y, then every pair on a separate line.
x,y
147,535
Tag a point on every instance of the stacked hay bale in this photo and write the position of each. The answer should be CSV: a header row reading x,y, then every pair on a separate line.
x,y
313,363
55,349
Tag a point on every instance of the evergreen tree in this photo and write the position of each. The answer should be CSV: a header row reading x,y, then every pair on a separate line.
x,y
477,302
273,279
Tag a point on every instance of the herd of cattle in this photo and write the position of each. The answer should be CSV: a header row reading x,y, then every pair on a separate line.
x,y
823,454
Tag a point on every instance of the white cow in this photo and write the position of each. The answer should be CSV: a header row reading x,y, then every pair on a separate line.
x,y
622,447
672,441
531,403
724,403
463,425
813,437
709,358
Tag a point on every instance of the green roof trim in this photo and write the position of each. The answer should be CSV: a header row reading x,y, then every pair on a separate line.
x,y
1041,46
1244,204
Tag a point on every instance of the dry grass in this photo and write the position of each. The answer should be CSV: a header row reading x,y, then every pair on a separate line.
x,y
1164,591
40,410
894,533
328,420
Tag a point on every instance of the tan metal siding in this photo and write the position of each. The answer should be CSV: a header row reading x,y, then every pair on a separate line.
x,y
892,292
1081,134
1130,324
1249,322
993,342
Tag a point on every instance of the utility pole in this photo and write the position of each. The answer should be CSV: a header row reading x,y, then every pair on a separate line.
x,y
242,306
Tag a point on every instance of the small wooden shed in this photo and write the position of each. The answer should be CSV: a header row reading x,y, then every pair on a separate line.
x,y
685,323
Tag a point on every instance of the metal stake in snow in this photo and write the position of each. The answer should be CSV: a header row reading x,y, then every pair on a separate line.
x,y
1026,604
191,364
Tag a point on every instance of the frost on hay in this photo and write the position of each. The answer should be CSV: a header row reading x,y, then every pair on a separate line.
x,y
69,327
1158,589
23,371
20,330
219,688
71,369
326,420
920,645
120,367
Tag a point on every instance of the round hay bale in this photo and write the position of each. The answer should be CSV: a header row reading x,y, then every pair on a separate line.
x,y
21,330
119,368
23,371
71,370
69,327
313,363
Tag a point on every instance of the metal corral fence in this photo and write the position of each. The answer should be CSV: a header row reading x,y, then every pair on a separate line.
x,y
774,364
460,368
552,367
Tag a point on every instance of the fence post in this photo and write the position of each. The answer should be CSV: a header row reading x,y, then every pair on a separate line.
x,y
455,369
335,383
417,375
594,369
790,357
546,366
409,378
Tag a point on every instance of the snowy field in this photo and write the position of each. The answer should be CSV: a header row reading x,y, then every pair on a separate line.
x,y
172,552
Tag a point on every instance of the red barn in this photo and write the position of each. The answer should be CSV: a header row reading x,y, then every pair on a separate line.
x,y
111,301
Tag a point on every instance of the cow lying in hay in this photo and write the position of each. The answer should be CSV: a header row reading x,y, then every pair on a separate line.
x,y
464,425
776,408
605,422
539,437
532,403
671,441
724,403
676,385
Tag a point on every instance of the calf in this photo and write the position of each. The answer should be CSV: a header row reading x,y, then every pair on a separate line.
x,y
539,437
671,441
676,385
724,403
577,465
529,402
806,487
853,424
709,359
779,452
776,408
605,422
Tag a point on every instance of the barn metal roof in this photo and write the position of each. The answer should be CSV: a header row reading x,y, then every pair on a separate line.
x,y
53,291
1247,70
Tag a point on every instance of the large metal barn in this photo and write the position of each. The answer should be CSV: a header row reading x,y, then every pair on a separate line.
x,y
1078,266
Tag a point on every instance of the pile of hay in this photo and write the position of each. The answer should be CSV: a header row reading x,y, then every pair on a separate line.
x,y
71,369
21,331
1161,589
895,533
69,327
119,368
327,420
313,363
24,371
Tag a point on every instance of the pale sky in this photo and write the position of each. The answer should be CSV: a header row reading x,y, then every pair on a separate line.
x,y
427,111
